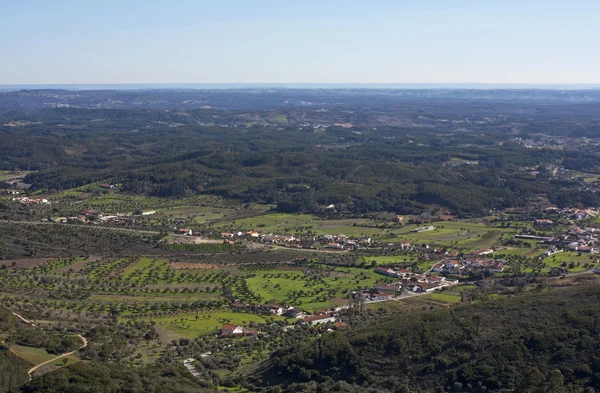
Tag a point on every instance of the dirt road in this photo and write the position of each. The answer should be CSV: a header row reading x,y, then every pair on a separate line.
x,y
32,370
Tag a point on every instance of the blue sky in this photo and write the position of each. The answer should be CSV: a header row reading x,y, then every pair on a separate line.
x,y
304,41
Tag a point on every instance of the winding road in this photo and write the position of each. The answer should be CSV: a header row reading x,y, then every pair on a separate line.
x,y
32,370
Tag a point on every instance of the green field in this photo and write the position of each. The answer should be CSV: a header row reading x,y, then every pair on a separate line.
x,y
465,234
273,222
32,355
470,235
8,175
451,296
516,251
187,325
444,297
557,260
307,290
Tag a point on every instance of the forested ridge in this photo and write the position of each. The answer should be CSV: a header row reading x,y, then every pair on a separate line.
x,y
402,168
540,342
112,378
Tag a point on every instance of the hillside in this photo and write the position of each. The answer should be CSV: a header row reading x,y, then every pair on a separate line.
x,y
541,342
109,378
13,370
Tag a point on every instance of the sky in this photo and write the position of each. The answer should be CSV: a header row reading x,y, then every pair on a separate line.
x,y
302,41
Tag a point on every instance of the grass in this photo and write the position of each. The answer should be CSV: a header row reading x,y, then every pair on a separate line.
x,y
392,259
387,306
32,355
313,292
273,222
186,325
156,271
465,234
141,265
557,260
450,296
518,251
8,175
448,233
444,297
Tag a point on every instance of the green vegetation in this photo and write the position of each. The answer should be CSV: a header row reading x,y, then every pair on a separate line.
x,y
573,261
13,370
147,295
31,355
108,378
311,288
462,349
199,324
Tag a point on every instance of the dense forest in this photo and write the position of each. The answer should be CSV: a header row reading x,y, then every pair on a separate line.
x,y
541,342
462,157
30,241
111,378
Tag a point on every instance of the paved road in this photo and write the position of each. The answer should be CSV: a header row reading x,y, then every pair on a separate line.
x,y
32,370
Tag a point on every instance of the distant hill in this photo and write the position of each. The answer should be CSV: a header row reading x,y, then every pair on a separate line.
x,y
263,98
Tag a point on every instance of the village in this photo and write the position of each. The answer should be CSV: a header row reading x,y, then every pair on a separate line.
x,y
338,242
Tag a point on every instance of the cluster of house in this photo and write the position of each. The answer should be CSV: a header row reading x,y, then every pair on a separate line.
x,y
95,217
572,213
318,318
91,217
469,266
543,223
381,292
31,201
334,242
10,192
410,281
551,251
575,239
229,330
281,311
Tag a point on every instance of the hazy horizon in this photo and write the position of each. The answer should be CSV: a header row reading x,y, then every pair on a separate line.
x,y
68,42
382,86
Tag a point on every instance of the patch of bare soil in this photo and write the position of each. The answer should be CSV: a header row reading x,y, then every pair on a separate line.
x,y
27,263
190,240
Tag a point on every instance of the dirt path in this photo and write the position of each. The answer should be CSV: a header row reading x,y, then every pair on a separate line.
x,y
27,321
85,343
32,370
